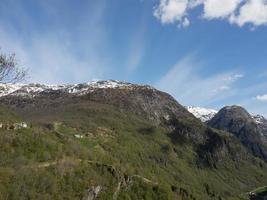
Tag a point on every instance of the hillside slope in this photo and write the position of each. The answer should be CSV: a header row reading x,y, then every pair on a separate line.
x,y
131,142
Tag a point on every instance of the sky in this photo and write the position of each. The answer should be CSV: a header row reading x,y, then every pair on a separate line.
x,y
207,53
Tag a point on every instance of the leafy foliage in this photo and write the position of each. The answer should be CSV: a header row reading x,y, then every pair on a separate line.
x,y
125,154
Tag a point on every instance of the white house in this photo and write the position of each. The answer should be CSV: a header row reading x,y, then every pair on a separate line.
x,y
20,125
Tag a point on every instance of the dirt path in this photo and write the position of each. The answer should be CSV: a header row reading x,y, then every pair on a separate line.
x,y
145,180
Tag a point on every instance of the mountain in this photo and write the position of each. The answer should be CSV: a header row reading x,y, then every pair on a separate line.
x,y
237,120
140,99
262,124
203,114
32,90
116,140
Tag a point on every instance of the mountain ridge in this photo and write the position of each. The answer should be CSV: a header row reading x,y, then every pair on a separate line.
x,y
80,89
33,89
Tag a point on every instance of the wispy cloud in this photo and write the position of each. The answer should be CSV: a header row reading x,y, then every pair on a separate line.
x,y
233,77
185,82
137,46
262,97
58,55
136,50
238,12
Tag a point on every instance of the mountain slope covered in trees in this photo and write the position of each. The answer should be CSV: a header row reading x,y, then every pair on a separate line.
x,y
131,142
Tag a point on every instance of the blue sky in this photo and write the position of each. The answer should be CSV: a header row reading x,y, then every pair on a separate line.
x,y
203,52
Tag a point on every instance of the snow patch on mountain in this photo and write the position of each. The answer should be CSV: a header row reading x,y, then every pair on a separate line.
x,y
6,89
259,119
79,89
203,114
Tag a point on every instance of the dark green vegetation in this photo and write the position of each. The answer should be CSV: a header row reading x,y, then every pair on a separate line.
x,y
259,193
261,190
125,152
7,116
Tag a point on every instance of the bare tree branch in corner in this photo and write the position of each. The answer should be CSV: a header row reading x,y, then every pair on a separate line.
x,y
10,71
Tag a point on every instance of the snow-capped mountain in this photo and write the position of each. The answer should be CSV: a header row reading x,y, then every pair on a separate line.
x,y
143,100
203,114
32,90
79,89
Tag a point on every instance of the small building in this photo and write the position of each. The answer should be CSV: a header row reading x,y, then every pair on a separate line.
x,y
20,125
78,136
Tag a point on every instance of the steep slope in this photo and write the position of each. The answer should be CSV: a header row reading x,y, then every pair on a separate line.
x,y
238,121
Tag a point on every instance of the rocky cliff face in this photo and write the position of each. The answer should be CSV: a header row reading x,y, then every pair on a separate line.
x,y
238,121
262,125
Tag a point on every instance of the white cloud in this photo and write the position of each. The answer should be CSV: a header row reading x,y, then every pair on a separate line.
x,y
254,12
220,8
171,11
262,97
238,12
234,77
185,22
186,84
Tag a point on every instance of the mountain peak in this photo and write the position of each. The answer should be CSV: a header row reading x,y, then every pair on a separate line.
x,y
235,111
236,120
